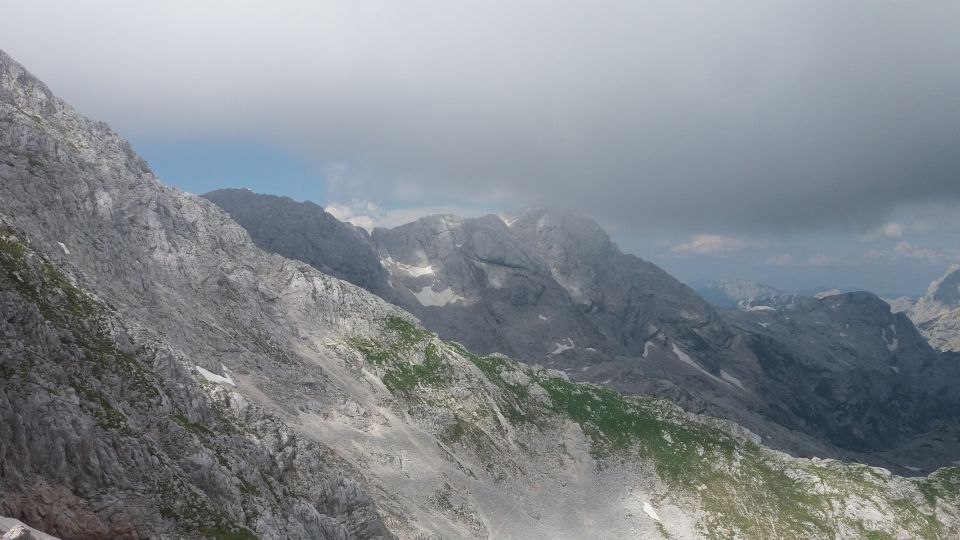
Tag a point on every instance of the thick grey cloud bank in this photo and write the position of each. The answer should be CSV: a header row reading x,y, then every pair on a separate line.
x,y
736,116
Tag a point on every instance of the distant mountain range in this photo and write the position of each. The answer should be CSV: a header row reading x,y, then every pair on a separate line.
x,y
732,293
936,314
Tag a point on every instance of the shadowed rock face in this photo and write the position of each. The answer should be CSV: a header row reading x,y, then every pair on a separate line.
x,y
865,375
628,299
304,231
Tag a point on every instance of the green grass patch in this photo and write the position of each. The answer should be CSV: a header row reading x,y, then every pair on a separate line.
x,y
402,344
404,378
747,494
404,331
942,485
514,402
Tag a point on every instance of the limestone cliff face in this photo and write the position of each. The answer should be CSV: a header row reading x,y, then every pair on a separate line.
x,y
937,313
162,377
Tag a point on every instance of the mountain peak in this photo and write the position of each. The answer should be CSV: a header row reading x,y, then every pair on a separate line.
x,y
946,288
57,122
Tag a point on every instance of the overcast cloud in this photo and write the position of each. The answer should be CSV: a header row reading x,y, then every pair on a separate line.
x,y
763,134
719,117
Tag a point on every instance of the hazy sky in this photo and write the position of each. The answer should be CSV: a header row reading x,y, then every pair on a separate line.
x,y
802,143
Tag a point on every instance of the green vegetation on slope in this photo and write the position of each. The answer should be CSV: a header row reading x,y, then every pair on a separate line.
x,y
406,342
746,490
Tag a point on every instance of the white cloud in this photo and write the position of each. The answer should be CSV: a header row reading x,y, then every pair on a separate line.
x,y
902,252
369,215
713,244
887,231
906,252
781,260
823,260
505,103
400,216
361,214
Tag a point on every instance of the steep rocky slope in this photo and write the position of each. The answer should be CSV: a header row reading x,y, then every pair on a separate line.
x,y
937,313
160,376
109,432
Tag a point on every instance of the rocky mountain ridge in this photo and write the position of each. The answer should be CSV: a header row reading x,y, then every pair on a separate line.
x,y
548,286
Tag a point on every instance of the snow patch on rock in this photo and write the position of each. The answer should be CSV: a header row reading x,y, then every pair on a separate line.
x,y
214,378
725,377
564,345
650,511
429,297
823,294
410,270
685,358
892,342
732,380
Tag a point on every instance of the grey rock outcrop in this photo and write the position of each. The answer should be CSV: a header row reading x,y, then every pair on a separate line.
x,y
937,313
107,431
900,304
13,529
